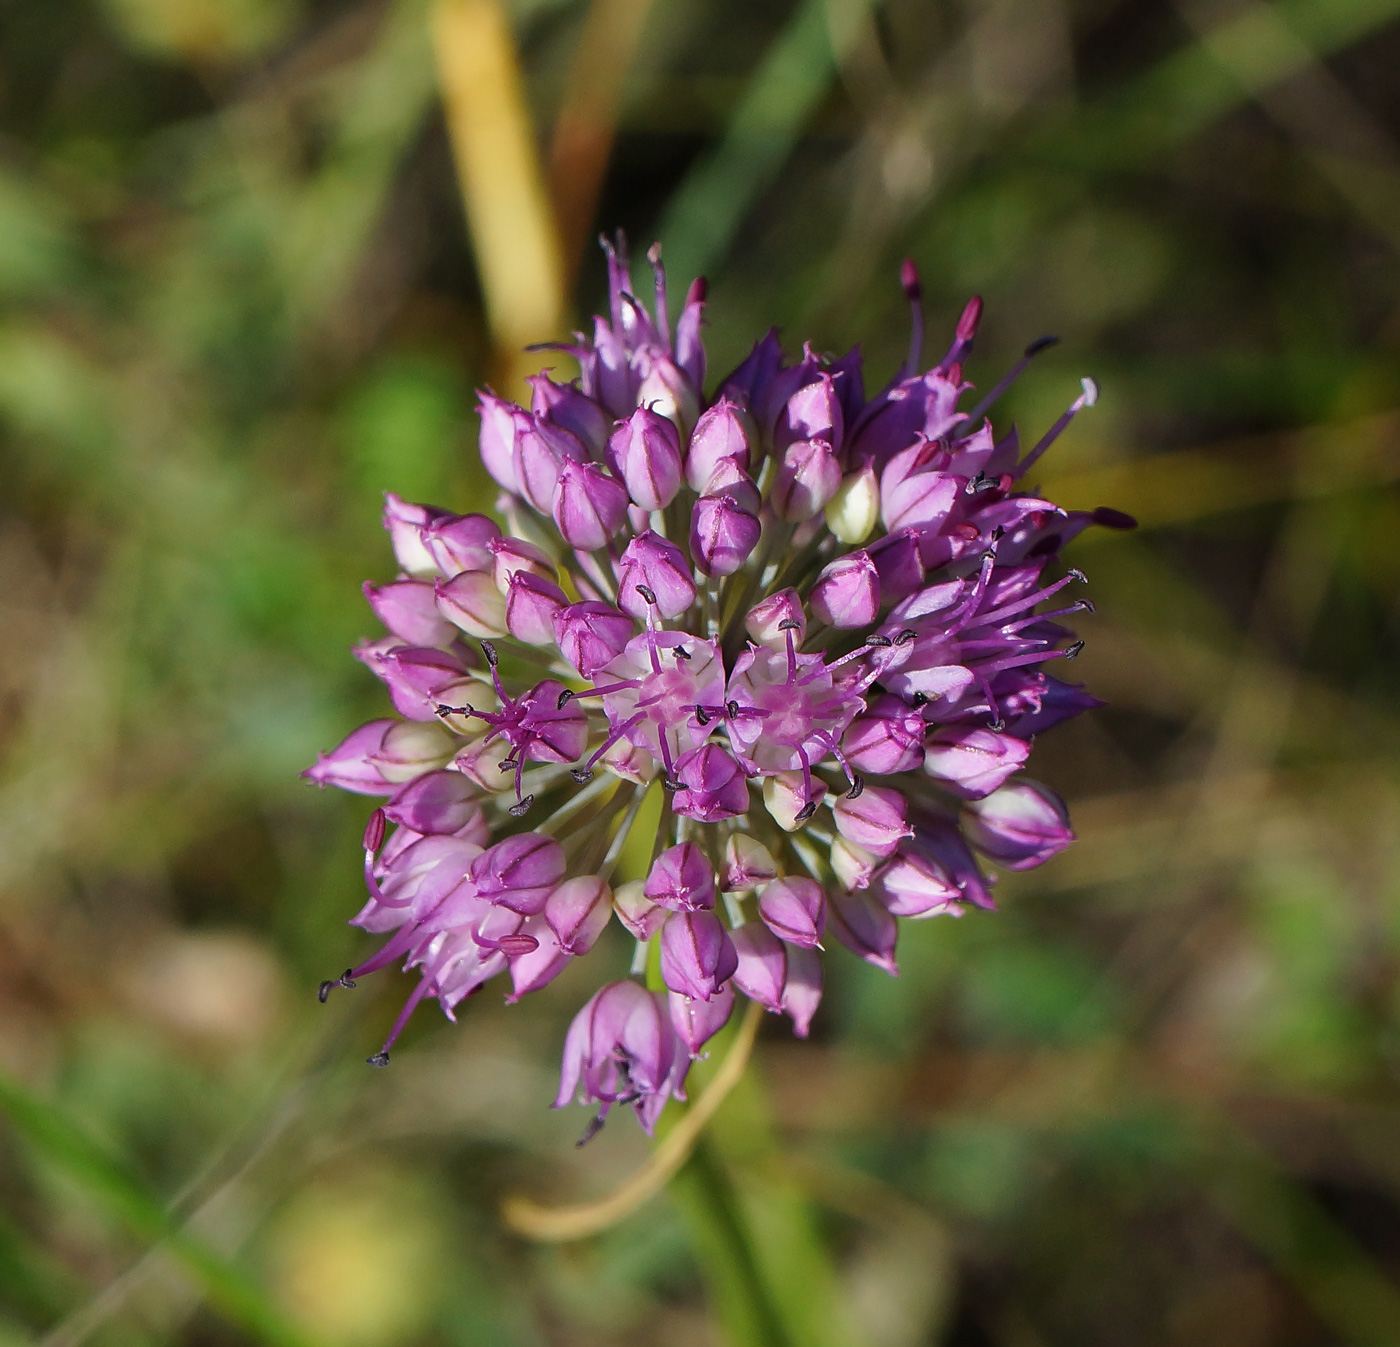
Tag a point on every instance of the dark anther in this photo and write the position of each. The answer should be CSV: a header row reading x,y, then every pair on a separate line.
x,y
1073,650
668,784
1079,575
880,642
595,1125
682,652
732,708
521,807
789,624
563,700
976,484
489,651
907,635
379,1059
455,710
647,593
1086,606
581,774
323,992
857,786
702,715
997,725
1040,344
509,764
920,699
806,811
998,533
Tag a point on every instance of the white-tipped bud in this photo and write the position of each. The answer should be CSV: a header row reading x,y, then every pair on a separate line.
x,y
472,602
851,864
411,748
853,511
786,799
481,761
747,864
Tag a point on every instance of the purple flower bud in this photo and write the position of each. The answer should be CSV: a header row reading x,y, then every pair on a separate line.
x,y
1019,826
652,563
1056,701
577,911
847,592
790,799
973,762
409,609
531,969
761,969
459,542
636,911
940,838
405,523
802,989
531,607
875,819
501,423
914,884
414,675
865,928
349,765
592,634
481,759
541,450
519,872
813,412
690,348
721,535
667,389
589,505
747,864
713,785
888,738
808,476
645,452
912,495
766,621
472,602
566,406
681,879
436,802
723,432
730,480
897,562
410,748
794,909
696,1022
697,955
509,555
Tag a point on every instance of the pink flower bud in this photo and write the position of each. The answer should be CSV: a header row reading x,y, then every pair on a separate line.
x,y
533,968
764,623
481,759
713,785
349,765
405,522
509,555
865,928
813,412
852,865
414,675
636,911
541,450
847,592
697,955
519,872
436,802
589,505
729,479
786,797
1019,826
897,562
566,406
808,476
501,423
472,602
721,535
626,760
747,864
794,909
531,607
695,1021
973,762
459,542
941,839
914,884
912,495
409,609
577,911
592,634
761,968
681,879
802,988
645,452
723,432
410,748
875,819
667,389
888,738
651,562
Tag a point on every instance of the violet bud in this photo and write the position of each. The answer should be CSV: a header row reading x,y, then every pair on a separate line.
x,y
410,748
723,432
636,911
592,634
652,563
847,592
761,969
1019,826
921,500
589,505
941,839
865,927
519,872
898,564
459,542
729,479
747,864
713,785
888,738
1057,701
914,884
721,535
786,796
690,346
973,762
852,865
531,607
681,879
531,969
472,602
414,675
436,802
808,476
541,450
501,423
697,955
349,765
409,609
566,406
645,452
405,522
813,412
854,510
509,555
696,1022
481,759
769,621
802,988
577,911
667,389
875,819
794,909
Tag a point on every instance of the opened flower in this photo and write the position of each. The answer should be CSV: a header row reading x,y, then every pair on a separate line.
x,y
818,626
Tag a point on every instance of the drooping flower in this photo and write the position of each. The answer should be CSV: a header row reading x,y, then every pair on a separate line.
x,y
816,624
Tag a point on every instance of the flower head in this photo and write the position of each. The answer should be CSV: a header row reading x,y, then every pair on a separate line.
x,y
818,625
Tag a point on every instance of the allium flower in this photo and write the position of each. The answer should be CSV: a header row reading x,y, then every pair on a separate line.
x,y
819,625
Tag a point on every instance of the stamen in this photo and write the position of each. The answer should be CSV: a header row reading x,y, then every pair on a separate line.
x,y
681,652
857,787
920,699
581,774
1006,380
374,832
663,315
442,710
379,1059
521,807
904,637
732,709
914,292
806,811
489,650
344,980
702,715
647,593
595,1125
564,698
1087,398
1072,651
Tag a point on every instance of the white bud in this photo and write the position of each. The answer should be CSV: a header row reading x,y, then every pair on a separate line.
x,y
747,863
853,511
852,865
785,797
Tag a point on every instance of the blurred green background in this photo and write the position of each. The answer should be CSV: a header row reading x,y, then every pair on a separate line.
x,y
1154,1100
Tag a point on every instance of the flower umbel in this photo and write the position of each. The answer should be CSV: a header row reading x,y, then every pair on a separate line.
x,y
819,625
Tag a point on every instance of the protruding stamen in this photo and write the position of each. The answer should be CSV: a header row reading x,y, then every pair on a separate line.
x,y
1087,398
374,832
581,774
344,980
914,292
379,1059
647,593
681,652
442,710
880,642
1077,574
702,715
522,806
1086,606
732,709
1072,651
806,811
857,787
489,650
1019,368
595,1125
564,698
905,636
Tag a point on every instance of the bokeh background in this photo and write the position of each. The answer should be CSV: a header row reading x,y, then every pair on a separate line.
x,y
1154,1100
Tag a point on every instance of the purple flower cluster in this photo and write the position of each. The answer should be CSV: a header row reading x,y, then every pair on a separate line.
x,y
814,623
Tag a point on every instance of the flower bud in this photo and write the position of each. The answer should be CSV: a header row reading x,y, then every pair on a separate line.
x,y
764,623
481,759
681,879
855,508
631,763
697,955
914,884
509,555
592,634
410,748
747,864
645,452
409,609
852,865
723,432
802,989
865,928
847,592
501,423
566,406
520,872
349,764
589,505
888,738
541,450
807,478
761,968
653,563
941,839
472,602
405,522
459,542
875,819
973,762
668,391
436,802
1019,826
577,911
721,535
533,968
813,412
636,911
531,607
898,563
785,796
794,909
696,1022
713,785
729,479
921,499
414,675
